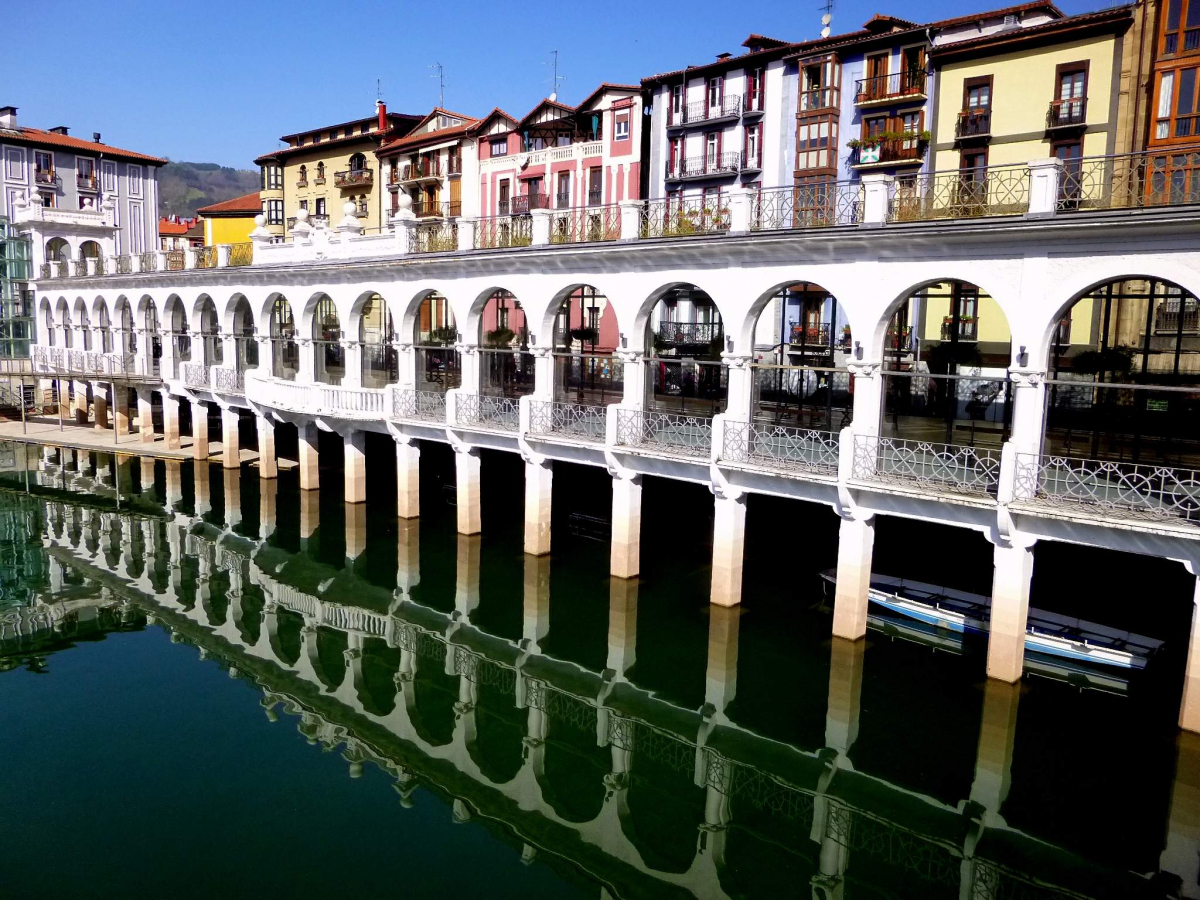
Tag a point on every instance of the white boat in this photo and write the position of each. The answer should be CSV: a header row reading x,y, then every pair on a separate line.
x,y
1048,634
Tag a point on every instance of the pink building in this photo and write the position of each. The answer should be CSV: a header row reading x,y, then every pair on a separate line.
x,y
560,156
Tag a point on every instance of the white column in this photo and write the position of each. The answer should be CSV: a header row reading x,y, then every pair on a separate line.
x,y
408,479
720,680
540,227
634,372
81,402
868,397
1044,176
1010,610
231,455
467,485
199,430
1029,409
307,436
120,410
740,393
856,544
876,193
354,445
625,556
539,479
99,406
268,467
729,539
145,416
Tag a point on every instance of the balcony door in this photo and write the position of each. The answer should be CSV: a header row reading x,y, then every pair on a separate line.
x,y
877,70
1072,89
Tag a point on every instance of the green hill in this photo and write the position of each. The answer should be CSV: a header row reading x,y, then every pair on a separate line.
x,y
183,187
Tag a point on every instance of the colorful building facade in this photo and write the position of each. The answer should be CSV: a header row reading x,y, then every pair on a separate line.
x,y
433,166
231,221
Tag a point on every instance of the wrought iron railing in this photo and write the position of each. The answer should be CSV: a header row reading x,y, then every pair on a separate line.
x,y
1167,320
149,261
973,123
87,182
425,209
429,406
726,163
426,168
962,193
503,231
807,206
79,267
730,106
944,468
484,411
125,265
241,254
521,205
433,237
229,381
886,87
101,265
676,218
47,176
175,260
814,333
1131,180
689,332
591,223
1066,113
195,375
352,177
1129,489
62,268
44,271
681,435
780,447
896,150
968,329
567,419
206,257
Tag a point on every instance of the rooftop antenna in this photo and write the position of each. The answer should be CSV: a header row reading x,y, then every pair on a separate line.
x,y
441,77
556,79
378,90
826,17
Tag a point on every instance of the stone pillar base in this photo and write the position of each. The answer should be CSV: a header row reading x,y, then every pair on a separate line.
x,y
199,430
729,540
307,436
856,545
100,409
355,448
539,482
625,556
231,454
170,421
145,417
467,483
1010,612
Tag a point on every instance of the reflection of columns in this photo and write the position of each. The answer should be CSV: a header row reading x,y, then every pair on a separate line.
x,y
199,430
622,624
124,476
174,482
993,760
354,445
120,410
267,466
1010,611
233,497
408,479
856,544
845,694
99,406
170,420
625,556
1181,855
203,488
720,680
147,466
356,530
539,481
231,456
408,566
307,435
536,607
729,540
310,514
145,416
266,507
466,461
466,593
1189,710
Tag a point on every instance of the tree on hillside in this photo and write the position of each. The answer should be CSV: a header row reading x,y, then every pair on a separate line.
x,y
183,187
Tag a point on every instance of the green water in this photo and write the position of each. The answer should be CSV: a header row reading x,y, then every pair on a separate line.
x,y
202,695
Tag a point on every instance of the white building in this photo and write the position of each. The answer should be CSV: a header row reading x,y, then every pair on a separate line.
x,y
76,198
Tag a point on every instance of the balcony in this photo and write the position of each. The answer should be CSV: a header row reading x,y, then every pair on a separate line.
x,y
353,178
413,173
693,334
1066,114
815,333
453,166
884,89
895,152
814,99
752,162
435,209
710,166
595,197
88,183
973,124
968,328
301,182
1167,320
46,178
702,112
520,206
562,201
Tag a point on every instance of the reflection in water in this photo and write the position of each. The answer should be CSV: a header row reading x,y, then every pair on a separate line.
x,y
577,769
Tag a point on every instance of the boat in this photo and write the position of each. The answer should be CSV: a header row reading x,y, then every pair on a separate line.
x,y
1048,634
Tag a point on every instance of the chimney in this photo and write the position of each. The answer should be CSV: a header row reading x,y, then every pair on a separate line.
x,y
60,129
8,117
381,108
96,136
724,56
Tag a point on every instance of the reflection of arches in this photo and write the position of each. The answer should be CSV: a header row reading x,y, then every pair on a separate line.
x,y
326,648
284,631
285,356
494,737
376,687
429,699
248,616
571,772
660,812
329,355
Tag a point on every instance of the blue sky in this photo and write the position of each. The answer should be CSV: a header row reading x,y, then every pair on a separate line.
x,y
220,81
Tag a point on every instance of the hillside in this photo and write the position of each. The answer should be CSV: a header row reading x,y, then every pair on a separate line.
x,y
185,186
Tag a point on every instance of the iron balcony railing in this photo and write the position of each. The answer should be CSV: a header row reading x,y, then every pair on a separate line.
x,y
426,168
1067,113
817,333
228,381
1150,178
428,209
891,151
898,85
813,99
175,261
574,420
206,257
962,193
434,237
79,267
352,177
968,329
503,231
595,197
149,261
973,123
680,217
47,177
562,201
689,333
751,162
241,254
427,406
729,107
727,163
812,205
780,447
1167,320
125,265
484,411
672,433
941,468
581,225
44,270
525,202
89,183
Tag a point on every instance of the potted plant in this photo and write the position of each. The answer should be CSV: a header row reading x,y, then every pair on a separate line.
x,y
498,337
585,335
447,335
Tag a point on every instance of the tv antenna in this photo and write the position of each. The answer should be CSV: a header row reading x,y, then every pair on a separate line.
x,y
378,90
555,78
441,77
826,17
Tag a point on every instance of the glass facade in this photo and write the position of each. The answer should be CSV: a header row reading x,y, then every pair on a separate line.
x,y
16,297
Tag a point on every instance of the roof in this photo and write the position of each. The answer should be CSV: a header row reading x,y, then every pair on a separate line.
x,y
1101,21
417,139
762,41
496,112
607,86
40,138
196,231
170,228
400,118
247,204
728,62
284,152
567,108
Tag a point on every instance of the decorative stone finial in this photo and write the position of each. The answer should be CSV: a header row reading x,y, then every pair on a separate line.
x,y
301,215
349,208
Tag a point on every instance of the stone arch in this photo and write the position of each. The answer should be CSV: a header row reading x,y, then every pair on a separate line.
x,y
683,338
124,323
206,324
62,315
238,320
642,319
501,331
372,325
46,320
58,249
90,250
329,347
102,322
434,332
582,329
285,354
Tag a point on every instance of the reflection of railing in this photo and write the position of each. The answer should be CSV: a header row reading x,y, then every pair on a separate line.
x,y
1131,180
780,447
503,231
676,218
593,223
425,405
947,468
1137,491
807,206
670,432
567,419
962,193
482,410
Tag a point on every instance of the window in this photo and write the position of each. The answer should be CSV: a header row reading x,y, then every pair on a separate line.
x,y
304,204
716,91
911,123
756,82
675,159
876,85
47,199
320,171
333,135
533,187
43,163
358,162
563,198
563,139
1166,90
676,104
272,178
537,143
1070,92
316,138
1185,15
816,143
320,206
753,147
621,127
502,203
1185,104
977,94
108,176
274,212
347,131
364,128
498,147
303,176
595,185
712,150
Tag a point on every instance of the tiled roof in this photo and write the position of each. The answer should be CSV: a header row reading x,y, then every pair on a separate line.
x,y
426,137
284,152
566,107
727,63
761,40
607,86
38,137
247,203
1109,17
173,228
496,111
401,118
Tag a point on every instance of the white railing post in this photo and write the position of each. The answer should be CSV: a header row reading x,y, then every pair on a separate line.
x,y
718,438
740,202
191,257
1044,178
739,388
260,237
466,234
162,260
541,227
92,264
224,251
877,189
631,219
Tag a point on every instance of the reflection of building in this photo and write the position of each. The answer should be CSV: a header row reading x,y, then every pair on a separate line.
x,y
230,221
319,170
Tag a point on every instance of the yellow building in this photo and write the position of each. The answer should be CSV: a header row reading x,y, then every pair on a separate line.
x,y
230,221
319,170
1025,93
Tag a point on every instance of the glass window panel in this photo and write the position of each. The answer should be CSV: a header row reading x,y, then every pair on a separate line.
x,y
1184,104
